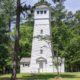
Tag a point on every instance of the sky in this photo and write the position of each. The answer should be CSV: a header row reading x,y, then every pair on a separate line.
x,y
71,5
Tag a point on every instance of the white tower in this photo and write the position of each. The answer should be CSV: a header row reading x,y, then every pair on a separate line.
x,y
41,57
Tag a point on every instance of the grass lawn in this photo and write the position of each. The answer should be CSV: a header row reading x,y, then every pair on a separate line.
x,y
65,76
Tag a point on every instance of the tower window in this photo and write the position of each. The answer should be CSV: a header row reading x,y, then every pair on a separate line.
x,y
26,64
41,51
37,12
45,12
41,31
41,12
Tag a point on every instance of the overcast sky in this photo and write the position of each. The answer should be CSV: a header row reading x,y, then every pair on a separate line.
x,y
71,5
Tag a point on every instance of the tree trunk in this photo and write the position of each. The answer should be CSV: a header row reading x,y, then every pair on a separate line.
x,y
9,24
57,66
57,63
16,46
4,70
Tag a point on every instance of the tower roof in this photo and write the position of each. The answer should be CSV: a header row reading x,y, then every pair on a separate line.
x,y
41,4
24,60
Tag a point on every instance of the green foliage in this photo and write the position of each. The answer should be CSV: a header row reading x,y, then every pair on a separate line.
x,y
4,39
26,39
73,50
60,36
77,15
60,31
26,31
7,11
65,36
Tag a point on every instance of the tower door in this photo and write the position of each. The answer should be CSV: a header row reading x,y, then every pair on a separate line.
x,y
42,64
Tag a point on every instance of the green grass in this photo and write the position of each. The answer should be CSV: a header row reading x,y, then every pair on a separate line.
x,y
65,76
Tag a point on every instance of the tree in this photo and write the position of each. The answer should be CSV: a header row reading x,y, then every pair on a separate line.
x,y
19,10
73,23
26,31
57,62
26,39
73,54
8,10
4,44
59,33
16,46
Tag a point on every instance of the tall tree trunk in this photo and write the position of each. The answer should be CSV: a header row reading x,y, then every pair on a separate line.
x,y
16,46
57,66
4,70
9,24
57,62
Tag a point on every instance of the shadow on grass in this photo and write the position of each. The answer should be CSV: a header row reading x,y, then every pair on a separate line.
x,y
47,76
43,76
68,76
40,76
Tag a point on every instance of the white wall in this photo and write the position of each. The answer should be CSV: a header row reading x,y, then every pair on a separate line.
x,y
24,69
